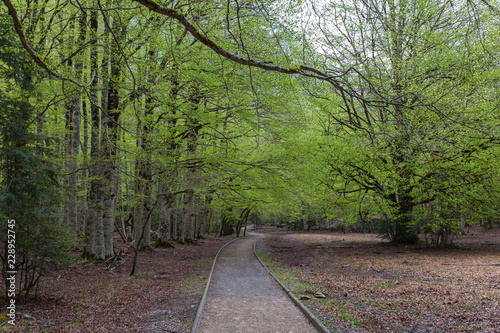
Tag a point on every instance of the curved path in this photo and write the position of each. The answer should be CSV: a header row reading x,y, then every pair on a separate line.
x,y
243,297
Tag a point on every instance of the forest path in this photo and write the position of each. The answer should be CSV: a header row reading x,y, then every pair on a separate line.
x,y
243,297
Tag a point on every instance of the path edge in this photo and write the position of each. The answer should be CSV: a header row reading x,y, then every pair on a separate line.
x,y
197,318
312,318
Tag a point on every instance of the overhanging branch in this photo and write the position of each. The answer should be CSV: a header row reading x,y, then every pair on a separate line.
x,y
301,70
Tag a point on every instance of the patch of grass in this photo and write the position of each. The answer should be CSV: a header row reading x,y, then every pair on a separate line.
x,y
189,322
290,279
287,276
264,256
195,284
341,310
383,284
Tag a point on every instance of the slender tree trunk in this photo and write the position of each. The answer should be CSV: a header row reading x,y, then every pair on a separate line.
x,y
175,219
138,207
70,202
127,228
188,217
165,201
189,208
144,165
109,139
39,131
143,205
94,232
205,217
305,219
83,183
74,109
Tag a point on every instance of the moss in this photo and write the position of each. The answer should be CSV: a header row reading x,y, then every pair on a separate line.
x,y
162,244
297,69
211,42
187,241
153,3
173,11
88,256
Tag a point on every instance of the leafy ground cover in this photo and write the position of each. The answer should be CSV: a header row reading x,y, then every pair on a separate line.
x,y
163,295
374,286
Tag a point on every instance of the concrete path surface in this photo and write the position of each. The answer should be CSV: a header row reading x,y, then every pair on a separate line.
x,y
243,297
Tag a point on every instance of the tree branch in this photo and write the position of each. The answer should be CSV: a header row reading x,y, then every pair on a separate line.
x,y
22,37
265,65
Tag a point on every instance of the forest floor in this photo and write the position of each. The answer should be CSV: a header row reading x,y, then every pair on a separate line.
x,y
162,296
374,286
369,284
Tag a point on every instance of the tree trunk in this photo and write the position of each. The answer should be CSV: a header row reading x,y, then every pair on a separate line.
x,y
175,220
75,109
188,217
205,217
165,201
404,232
138,207
82,199
94,235
110,117
305,219
39,131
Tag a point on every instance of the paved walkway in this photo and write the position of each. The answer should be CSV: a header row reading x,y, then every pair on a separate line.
x,y
243,297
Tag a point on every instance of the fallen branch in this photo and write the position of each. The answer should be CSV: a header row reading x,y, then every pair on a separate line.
x,y
121,233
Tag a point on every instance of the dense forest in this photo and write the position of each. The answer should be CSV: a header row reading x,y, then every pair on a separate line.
x,y
165,121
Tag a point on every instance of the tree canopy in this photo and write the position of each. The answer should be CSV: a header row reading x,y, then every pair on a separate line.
x,y
169,120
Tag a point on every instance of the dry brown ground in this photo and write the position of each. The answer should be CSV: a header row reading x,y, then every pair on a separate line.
x,y
373,286
163,295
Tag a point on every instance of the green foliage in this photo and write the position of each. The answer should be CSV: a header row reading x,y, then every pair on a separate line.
x,y
423,133
29,191
408,144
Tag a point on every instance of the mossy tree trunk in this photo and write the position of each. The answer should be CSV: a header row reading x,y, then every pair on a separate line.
x,y
94,236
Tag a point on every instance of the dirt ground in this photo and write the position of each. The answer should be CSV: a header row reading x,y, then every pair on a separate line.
x,y
370,286
163,295
373,286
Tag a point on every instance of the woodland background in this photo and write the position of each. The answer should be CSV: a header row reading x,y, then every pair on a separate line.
x,y
167,121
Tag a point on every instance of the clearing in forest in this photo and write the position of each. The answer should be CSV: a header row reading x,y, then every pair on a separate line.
x,y
374,286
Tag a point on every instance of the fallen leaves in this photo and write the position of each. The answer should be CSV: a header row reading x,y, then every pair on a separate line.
x,y
89,297
390,288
